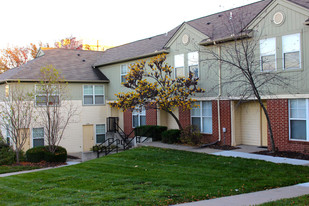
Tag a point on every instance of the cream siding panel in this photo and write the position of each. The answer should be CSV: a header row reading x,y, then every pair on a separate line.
x,y
171,123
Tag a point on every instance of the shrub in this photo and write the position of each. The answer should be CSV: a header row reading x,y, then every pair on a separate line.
x,y
7,155
171,136
39,154
153,131
191,136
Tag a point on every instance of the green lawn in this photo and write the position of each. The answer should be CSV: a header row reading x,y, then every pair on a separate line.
x,y
148,176
297,201
8,169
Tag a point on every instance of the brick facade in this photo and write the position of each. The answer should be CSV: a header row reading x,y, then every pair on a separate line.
x,y
151,119
278,111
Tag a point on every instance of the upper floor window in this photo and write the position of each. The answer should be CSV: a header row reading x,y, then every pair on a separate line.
x,y
38,137
193,63
298,117
291,51
268,54
138,117
47,95
179,65
201,116
123,72
93,94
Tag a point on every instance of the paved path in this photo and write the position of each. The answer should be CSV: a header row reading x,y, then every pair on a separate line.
x,y
244,152
255,198
37,170
248,198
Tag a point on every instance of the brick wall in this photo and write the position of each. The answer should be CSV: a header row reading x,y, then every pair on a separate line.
x,y
279,117
151,115
151,119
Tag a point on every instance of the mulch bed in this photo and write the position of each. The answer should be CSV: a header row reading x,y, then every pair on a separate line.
x,y
287,154
41,164
222,147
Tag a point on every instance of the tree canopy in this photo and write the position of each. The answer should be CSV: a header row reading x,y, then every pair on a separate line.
x,y
155,87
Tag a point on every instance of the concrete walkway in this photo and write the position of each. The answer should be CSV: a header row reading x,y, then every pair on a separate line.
x,y
37,170
253,198
244,151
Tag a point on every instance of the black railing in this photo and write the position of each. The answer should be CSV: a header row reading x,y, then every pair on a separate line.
x,y
112,144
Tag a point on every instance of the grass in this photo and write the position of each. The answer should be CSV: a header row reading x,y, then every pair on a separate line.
x,y
297,201
8,169
148,176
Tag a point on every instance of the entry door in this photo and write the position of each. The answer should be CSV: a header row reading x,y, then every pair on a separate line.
x,y
250,124
88,140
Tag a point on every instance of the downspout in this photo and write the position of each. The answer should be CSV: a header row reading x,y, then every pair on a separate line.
x,y
219,95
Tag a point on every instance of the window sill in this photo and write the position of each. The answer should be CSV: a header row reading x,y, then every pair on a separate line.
x,y
299,141
93,105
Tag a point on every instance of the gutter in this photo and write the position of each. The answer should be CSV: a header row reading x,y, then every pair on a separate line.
x,y
69,81
219,95
209,42
134,58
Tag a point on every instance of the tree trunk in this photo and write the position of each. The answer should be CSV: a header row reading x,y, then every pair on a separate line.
x,y
17,156
176,119
273,147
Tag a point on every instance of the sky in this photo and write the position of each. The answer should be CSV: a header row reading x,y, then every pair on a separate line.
x,y
112,22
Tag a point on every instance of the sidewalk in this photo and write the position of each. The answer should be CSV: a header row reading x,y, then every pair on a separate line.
x,y
253,198
37,170
245,151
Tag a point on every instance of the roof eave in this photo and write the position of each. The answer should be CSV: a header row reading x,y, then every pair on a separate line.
x,y
134,58
69,81
227,39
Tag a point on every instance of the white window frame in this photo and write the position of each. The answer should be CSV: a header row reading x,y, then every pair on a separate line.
x,y
179,62
93,94
123,74
303,119
96,138
264,54
139,113
191,62
201,116
34,138
57,93
284,52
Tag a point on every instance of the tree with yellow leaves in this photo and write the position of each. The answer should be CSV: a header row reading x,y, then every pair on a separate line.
x,y
156,86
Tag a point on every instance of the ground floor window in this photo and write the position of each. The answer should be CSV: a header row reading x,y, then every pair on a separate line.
x,y
298,119
201,116
100,133
38,137
138,117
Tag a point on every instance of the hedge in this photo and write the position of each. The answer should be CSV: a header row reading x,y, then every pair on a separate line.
x,y
171,136
7,154
38,154
153,131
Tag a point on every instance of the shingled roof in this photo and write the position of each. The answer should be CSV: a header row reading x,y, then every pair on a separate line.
x,y
214,26
74,66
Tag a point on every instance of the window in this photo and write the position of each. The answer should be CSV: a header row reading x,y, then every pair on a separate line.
x,y
46,94
268,54
193,63
38,137
298,119
100,133
8,136
123,72
291,51
201,116
139,117
93,94
179,66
